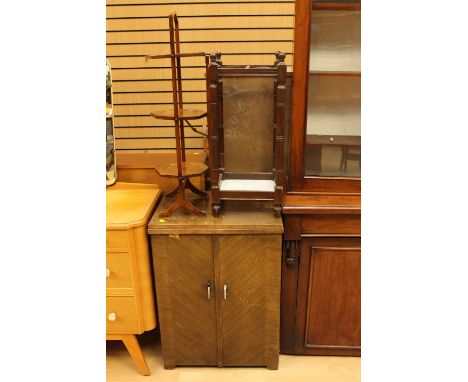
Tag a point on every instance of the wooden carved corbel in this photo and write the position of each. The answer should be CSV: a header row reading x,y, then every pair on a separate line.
x,y
292,251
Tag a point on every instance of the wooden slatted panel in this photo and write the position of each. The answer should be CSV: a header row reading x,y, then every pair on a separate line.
x,y
245,31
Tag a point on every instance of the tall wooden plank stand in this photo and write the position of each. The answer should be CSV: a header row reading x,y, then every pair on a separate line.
x,y
182,170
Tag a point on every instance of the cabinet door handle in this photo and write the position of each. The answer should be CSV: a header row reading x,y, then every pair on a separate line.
x,y
225,291
111,317
209,290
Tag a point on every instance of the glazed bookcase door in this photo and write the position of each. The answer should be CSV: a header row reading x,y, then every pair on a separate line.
x,y
325,148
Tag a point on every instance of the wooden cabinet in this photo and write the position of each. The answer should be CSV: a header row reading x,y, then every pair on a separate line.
x,y
218,286
328,310
320,295
129,291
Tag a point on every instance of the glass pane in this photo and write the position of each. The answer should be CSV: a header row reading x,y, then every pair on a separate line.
x,y
335,41
248,136
333,141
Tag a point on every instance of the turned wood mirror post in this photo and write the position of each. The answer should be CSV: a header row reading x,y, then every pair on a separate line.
x,y
246,117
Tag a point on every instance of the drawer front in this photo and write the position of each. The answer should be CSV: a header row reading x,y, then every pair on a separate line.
x,y
116,239
331,224
118,270
121,315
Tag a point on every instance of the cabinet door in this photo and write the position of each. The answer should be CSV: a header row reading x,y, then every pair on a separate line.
x,y
329,297
250,267
184,268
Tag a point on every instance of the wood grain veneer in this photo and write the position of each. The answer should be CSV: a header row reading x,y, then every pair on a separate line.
x,y
130,305
320,291
195,259
250,267
331,224
240,217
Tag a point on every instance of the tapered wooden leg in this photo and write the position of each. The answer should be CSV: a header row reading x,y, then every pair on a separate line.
x,y
191,208
131,343
182,202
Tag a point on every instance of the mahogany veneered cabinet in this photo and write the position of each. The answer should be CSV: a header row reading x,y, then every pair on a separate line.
x,y
321,279
218,286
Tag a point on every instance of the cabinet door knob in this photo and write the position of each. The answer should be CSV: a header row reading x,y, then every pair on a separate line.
x,y
225,291
107,273
111,316
209,290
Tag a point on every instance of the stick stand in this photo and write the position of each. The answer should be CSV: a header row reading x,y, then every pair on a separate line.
x,y
182,170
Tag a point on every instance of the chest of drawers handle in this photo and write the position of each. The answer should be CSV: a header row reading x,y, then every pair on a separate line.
x,y
107,273
111,317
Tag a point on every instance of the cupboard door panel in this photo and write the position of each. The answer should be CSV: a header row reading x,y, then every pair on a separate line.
x,y
184,267
250,268
329,297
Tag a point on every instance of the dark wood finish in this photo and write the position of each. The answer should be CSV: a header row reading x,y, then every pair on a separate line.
x,y
296,203
188,169
331,224
336,6
181,200
240,218
329,308
199,54
332,234
153,160
143,168
299,94
180,115
320,286
297,180
339,140
241,250
246,136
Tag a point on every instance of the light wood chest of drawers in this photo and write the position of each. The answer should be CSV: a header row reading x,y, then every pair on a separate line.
x,y
130,306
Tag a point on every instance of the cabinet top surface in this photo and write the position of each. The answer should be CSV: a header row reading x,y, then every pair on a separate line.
x,y
130,205
236,217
